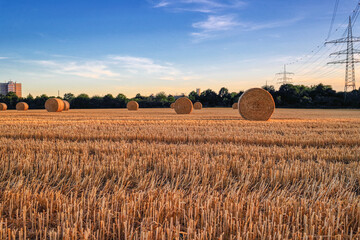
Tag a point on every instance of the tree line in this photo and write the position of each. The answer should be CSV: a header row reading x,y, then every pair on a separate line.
x,y
288,95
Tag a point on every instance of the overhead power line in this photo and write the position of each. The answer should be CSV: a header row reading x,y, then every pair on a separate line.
x,y
333,18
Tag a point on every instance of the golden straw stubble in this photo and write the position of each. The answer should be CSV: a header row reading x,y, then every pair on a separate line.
x,y
172,105
256,104
235,106
3,107
132,106
54,105
66,105
197,105
22,106
183,105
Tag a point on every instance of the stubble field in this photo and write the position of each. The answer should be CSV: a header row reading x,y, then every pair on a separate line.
x,y
152,174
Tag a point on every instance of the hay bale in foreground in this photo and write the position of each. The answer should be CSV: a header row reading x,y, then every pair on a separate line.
x,y
22,106
132,106
54,105
183,105
172,105
197,106
3,107
235,106
66,105
256,104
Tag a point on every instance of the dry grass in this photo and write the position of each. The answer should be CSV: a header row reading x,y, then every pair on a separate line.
x,y
152,174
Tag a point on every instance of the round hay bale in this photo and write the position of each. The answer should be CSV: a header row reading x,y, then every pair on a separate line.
x,y
183,105
172,105
256,104
235,106
3,107
197,106
66,105
132,106
22,106
54,105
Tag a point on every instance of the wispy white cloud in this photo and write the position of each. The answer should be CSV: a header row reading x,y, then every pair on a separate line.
x,y
214,25
139,64
217,23
113,67
205,6
86,69
274,24
3,58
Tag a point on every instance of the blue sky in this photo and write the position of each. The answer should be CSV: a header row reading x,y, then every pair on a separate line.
x,y
147,46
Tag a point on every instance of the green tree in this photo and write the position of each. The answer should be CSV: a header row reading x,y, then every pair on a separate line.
x,y
269,88
171,99
109,101
193,96
30,97
96,102
11,99
138,96
225,97
81,101
121,100
161,97
69,97
209,98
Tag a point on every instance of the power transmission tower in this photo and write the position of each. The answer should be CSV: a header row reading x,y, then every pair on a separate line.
x,y
350,60
284,79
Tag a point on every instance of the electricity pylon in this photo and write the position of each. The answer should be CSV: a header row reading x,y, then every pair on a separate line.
x,y
350,60
284,79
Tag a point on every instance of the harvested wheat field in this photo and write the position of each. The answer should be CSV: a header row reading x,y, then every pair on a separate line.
x,y
153,174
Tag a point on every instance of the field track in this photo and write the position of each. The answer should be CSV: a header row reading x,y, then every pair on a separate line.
x,y
152,174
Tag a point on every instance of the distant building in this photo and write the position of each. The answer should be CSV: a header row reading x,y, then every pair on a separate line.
x,y
198,91
11,86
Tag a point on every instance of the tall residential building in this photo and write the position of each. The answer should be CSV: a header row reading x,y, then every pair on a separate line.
x,y
198,91
10,86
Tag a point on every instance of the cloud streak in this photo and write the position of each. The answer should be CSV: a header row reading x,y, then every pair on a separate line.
x,y
86,69
221,17
204,6
115,67
215,25
145,65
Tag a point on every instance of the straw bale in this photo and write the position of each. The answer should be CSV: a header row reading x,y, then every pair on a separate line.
x,y
132,106
172,105
3,107
183,105
197,106
22,106
66,105
235,106
54,105
256,104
